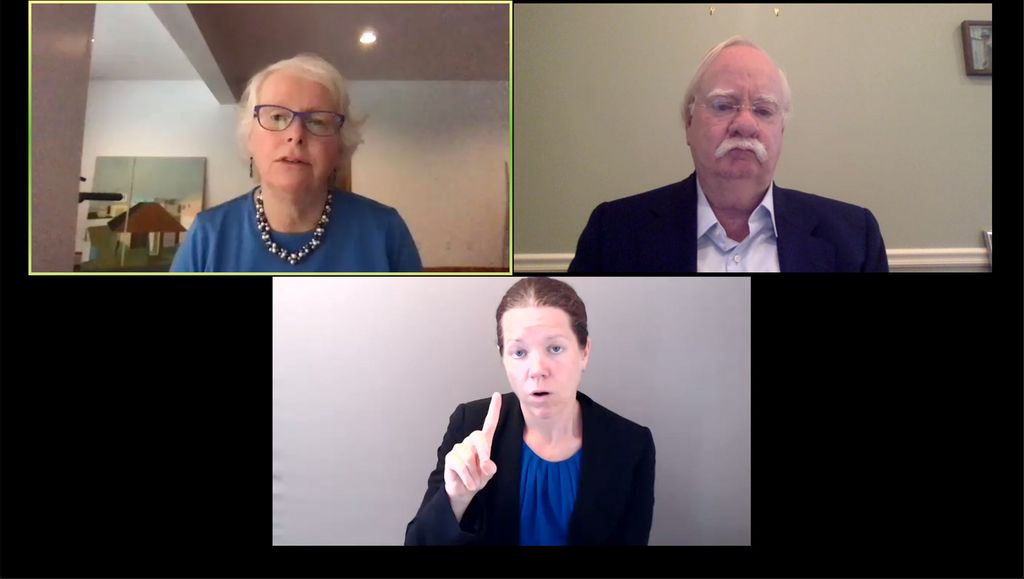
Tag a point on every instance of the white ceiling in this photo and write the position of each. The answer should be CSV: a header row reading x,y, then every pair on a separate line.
x,y
130,43
415,42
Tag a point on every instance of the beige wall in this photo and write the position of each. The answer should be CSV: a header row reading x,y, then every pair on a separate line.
x,y
884,115
60,81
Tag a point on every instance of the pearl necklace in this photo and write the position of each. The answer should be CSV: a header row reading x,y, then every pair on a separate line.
x,y
295,257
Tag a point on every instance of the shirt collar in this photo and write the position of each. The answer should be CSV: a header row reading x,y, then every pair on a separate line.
x,y
706,216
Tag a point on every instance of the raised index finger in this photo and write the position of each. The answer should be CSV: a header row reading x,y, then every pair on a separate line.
x,y
491,424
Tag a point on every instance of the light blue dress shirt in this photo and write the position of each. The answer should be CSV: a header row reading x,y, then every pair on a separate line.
x,y
718,253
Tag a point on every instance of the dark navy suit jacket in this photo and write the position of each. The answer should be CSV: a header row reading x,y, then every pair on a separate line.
x,y
656,232
614,501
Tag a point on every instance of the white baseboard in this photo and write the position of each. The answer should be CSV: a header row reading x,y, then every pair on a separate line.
x,y
920,259
534,262
939,259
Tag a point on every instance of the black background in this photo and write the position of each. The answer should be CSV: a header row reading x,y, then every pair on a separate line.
x,y
886,436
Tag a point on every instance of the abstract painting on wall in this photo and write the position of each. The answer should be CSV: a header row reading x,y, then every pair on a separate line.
x,y
155,201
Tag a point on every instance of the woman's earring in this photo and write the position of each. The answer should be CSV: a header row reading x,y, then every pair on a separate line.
x,y
250,167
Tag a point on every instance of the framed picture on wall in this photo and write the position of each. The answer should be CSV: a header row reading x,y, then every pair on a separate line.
x,y
158,199
977,40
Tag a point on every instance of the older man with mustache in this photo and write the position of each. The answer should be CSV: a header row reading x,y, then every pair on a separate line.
x,y
729,216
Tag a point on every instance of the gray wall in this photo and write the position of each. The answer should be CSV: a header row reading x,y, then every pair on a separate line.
x,y
884,114
368,370
60,82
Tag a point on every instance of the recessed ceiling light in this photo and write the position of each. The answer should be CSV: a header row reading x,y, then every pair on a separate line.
x,y
368,37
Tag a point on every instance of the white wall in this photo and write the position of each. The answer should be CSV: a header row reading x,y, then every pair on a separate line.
x,y
366,372
437,151
162,119
433,150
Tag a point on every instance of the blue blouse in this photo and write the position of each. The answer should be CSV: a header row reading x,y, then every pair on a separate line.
x,y
361,235
547,495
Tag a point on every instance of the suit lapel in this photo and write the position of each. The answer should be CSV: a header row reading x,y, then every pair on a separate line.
x,y
674,229
507,452
585,525
799,249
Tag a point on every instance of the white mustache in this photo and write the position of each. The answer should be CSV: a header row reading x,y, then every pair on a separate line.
x,y
746,144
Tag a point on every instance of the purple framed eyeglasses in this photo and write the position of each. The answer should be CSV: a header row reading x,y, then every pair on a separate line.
x,y
278,118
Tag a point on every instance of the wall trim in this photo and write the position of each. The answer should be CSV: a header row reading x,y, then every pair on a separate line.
x,y
913,259
939,259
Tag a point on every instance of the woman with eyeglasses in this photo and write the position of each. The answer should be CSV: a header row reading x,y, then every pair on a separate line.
x,y
294,122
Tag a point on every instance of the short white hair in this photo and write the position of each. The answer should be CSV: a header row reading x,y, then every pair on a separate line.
x,y
691,97
316,69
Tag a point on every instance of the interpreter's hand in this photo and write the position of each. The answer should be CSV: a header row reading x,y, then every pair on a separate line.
x,y
468,467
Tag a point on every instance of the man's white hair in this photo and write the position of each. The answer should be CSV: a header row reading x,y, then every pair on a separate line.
x,y
691,97
310,67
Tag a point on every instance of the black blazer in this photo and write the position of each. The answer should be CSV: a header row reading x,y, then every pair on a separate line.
x,y
614,502
656,232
